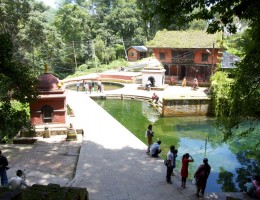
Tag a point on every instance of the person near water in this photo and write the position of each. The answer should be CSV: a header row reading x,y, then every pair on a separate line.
x,y
201,176
170,163
155,149
149,135
186,159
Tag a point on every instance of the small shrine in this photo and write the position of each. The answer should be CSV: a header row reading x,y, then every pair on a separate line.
x,y
155,73
50,106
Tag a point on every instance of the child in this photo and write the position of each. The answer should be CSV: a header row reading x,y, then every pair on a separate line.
x,y
186,158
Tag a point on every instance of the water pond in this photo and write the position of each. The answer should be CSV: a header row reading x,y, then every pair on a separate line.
x,y
231,162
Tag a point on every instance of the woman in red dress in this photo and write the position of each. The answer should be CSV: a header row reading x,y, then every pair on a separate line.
x,y
186,158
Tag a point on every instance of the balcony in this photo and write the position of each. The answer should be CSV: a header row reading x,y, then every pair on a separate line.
x,y
182,61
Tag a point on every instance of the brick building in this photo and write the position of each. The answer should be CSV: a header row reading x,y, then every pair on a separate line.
x,y
187,54
135,53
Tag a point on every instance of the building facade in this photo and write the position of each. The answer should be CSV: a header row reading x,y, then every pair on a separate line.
x,y
135,53
187,54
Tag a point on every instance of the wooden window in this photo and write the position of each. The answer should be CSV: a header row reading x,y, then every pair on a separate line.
x,y
162,56
204,57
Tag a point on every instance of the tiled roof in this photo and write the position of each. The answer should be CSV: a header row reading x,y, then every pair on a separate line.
x,y
184,39
229,60
139,48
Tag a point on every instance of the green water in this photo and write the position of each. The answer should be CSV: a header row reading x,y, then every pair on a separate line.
x,y
231,162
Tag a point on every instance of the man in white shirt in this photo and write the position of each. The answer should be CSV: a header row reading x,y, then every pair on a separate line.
x,y
155,149
170,162
17,182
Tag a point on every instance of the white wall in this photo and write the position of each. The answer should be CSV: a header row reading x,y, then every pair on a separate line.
x,y
158,76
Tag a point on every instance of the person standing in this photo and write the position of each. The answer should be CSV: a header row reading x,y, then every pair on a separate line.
x,y
175,154
3,167
83,85
184,82
201,176
90,87
99,86
93,86
155,149
86,87
186,159
149,135
77,85
170,163
17,182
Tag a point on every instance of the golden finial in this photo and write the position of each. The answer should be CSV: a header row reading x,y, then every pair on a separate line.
x,y
46,67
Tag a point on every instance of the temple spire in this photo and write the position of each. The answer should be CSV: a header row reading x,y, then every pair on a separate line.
x,y
46,68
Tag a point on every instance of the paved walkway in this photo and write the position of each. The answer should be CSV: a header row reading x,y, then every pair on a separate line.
x,y
113,164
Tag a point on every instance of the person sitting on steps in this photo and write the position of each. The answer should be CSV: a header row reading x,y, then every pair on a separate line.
x,y
148,85
155,97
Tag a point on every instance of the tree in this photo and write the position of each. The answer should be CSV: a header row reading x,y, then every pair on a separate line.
x,y
72,23
243,96
17,83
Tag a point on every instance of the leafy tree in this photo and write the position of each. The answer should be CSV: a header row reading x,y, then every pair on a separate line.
x,y
72,23
16,84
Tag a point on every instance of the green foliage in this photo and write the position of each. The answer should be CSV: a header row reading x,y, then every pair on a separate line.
x,y
72,22
84,69
16,83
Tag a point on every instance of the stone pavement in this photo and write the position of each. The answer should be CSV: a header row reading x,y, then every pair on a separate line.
x,y
49,160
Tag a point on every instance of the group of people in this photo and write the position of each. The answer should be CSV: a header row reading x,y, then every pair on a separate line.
x,y
201,175
90,86
252,187
16,182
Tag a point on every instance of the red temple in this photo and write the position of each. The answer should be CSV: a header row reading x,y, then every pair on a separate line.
x,y
50,106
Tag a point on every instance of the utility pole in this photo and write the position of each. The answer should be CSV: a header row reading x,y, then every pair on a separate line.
x,y
213,52
125,50
94,54
75,56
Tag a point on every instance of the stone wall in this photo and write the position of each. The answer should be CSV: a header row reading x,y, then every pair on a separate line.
x,y
45,192
186,107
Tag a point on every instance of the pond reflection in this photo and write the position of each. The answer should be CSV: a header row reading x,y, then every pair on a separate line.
x,y
231,162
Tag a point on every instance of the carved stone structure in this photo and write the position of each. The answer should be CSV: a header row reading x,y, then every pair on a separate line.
x,y
50,106
154,72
